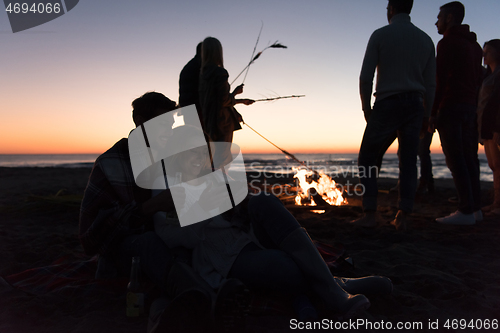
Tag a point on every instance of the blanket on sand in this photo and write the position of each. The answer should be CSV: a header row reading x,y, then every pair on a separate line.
x,y
73,279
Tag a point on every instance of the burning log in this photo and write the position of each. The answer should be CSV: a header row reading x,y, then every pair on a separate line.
x,y
320,202
325,188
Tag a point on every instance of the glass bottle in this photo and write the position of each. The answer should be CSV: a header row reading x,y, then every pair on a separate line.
x,y
135,296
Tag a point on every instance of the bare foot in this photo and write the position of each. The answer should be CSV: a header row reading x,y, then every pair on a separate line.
x,y
491,207
400,221
367,221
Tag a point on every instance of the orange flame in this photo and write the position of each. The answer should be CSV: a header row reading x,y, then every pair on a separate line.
x,y
325,186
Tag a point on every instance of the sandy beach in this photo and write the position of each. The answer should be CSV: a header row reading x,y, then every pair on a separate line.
x,y
439,272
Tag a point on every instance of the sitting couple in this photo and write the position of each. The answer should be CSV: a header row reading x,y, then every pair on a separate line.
x,y
257,245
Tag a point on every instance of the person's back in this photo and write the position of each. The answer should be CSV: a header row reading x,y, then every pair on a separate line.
x,y
189,80
404,52
459,68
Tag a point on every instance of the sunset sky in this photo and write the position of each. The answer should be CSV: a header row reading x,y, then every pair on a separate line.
x,y
66,86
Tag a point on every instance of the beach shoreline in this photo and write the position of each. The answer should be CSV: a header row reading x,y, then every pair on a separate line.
x,y
439,272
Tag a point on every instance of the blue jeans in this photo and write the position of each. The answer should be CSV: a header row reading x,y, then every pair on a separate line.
x,y
457,129
403,116
424,154
269,268
271,221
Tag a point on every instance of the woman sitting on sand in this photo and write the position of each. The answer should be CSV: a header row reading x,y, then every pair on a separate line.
x,y
258,242
488,112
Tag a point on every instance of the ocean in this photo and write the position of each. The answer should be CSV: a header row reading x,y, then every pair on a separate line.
x,y
273,163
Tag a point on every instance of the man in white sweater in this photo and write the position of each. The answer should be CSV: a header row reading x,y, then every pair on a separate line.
x,y
404,57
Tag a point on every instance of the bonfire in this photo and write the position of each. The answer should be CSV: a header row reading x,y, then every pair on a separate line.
x,y
324,189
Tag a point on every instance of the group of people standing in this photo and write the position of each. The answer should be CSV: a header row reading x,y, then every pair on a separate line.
x,y
418,92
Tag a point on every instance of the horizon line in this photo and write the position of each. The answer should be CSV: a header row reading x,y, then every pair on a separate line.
x,y
390,151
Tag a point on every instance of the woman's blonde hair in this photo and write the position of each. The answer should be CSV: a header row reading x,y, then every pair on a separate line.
x,y
211,53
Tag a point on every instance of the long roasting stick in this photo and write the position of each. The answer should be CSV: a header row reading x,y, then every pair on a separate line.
x,y
279,97
284,151
253,53
275,45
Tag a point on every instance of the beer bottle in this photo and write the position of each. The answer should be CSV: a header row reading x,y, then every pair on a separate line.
x,y
135,296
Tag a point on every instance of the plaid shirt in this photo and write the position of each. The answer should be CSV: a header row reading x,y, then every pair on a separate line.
x,y
109,210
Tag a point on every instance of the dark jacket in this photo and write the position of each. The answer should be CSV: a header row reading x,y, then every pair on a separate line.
x,y
189,81
459,70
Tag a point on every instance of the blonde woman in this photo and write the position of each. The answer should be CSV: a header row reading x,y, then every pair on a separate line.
x,y
220,118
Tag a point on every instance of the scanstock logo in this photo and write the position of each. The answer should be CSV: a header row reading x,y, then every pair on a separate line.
x,y
26,14
181,160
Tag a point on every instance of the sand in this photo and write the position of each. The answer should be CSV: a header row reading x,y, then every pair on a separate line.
x,y
439,272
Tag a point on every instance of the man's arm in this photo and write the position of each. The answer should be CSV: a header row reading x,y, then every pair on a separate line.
x,y
370,62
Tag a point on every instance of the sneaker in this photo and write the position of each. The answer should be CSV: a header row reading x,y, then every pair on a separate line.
x,y
478,216
457,218
440,219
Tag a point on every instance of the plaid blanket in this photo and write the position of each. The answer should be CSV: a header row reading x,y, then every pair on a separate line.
x,y
109,210
72,279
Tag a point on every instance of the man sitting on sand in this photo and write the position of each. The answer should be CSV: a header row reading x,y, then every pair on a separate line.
x,y
406,67
116,218
115,212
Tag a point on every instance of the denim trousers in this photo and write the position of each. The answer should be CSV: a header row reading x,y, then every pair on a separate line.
x,y
457,127
269,268
402,116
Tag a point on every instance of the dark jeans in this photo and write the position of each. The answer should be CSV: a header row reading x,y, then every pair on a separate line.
x,y
156,257
384,148
457,129
269,268
403,116
424,154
